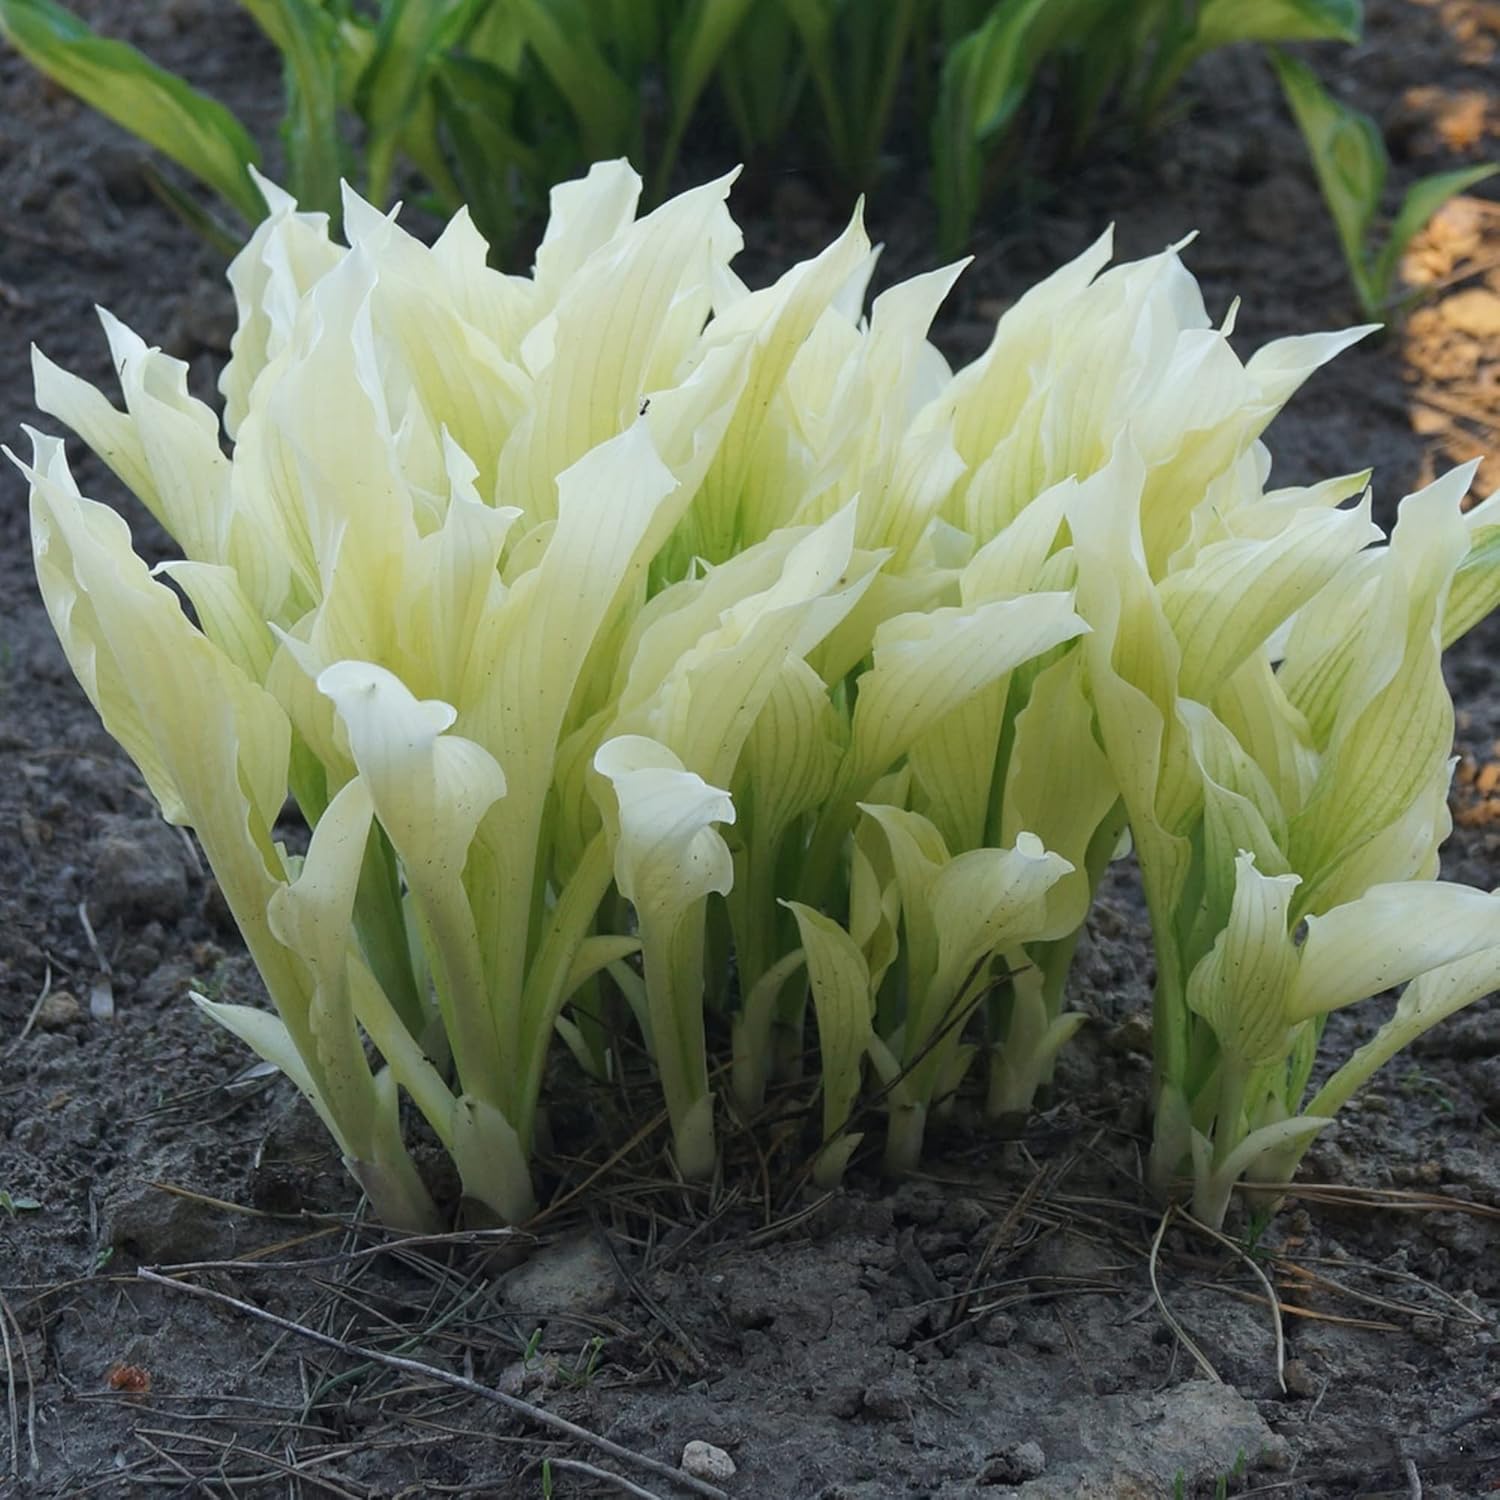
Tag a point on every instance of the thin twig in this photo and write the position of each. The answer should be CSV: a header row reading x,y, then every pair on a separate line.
x,y
465,1237
36,1010
619,1481
1199,1357
302,1471
8,1320
195,1480
526,1409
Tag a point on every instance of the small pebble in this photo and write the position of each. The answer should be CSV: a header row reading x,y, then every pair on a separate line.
x,y
702,1460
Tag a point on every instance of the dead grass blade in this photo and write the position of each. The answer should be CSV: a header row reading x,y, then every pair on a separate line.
x,y
1181,1334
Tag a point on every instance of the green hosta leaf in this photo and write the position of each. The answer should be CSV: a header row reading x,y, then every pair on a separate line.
x,y
991,900
701,36
408,44
874,900
212,745
953,765
627,315
167,449
1423,199
430,791
604,104
985,78
1348,156
494,168
112,77
792,755
308,39
1241,812
740,500
707,689
1476,584
917,855
267,1036
1224,21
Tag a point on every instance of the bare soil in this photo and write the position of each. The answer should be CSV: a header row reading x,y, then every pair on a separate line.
x,y
989,1328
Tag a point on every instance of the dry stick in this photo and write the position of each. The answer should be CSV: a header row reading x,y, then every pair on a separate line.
x,y
619,1481
537,1414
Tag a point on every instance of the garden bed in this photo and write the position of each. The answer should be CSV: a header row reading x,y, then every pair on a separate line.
x,y
1018,1319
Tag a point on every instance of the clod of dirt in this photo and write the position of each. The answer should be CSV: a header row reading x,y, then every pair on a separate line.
x,y
158,1227
167,984
1014,1465
1300,1380
140,871
703,1461
570,1276
891,1399
58,1011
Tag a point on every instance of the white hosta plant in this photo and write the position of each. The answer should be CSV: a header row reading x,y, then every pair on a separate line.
x,y
426,545
610,620
1274,707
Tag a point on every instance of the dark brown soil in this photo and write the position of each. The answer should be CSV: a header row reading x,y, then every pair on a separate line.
x,y
987,1329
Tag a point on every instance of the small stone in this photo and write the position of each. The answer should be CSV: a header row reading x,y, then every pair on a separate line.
x,y
571,1276
1300,1380
1276,1455
702,1460
58,1011
1014,1464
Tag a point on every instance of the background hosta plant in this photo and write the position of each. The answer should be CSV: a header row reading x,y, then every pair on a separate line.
x,y
489,102
1349,158
655,659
